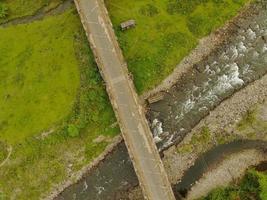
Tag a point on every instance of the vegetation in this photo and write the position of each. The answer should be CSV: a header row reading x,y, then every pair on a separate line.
x,y
254,122
3,10
202,138
39,81
247,120
166,31
3,152
53,105
252,186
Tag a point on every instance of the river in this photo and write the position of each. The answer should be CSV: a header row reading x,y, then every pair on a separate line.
x,y
232,66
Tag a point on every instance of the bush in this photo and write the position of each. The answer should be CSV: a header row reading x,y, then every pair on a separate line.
x,y
73,131
252,186
149,10
182,6
3,10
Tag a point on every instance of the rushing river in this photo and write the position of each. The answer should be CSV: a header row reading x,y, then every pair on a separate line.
x,y
232,66
240,61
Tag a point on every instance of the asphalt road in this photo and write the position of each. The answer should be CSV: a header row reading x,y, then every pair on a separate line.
x,y
137,135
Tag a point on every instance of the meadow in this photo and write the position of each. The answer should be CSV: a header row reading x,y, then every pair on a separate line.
x,y
166,31
53,105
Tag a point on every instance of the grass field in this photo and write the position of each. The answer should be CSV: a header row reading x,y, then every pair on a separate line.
x,y
20,8
39,78
53,105
166,31
252,186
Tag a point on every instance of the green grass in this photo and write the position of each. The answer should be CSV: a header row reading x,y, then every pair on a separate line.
x,y
203,138
166,31
252,186
3,152
39,77
252,123
20,8
49,80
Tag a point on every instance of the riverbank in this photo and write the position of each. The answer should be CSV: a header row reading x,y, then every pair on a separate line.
x,y
229,170
222,123
86,169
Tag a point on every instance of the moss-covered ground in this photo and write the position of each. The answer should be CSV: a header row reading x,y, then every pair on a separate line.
x,y
166,31
53,105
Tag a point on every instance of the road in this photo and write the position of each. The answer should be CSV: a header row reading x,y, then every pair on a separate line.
x,y
129,112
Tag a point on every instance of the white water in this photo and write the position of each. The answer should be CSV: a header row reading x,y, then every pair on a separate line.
x,y
223,74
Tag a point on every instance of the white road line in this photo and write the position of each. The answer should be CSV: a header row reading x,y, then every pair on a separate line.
x,y
94,8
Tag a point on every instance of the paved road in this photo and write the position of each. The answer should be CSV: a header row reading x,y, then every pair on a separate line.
x,y
137,135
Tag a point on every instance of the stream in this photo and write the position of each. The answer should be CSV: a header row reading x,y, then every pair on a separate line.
x,y
242,60
114,174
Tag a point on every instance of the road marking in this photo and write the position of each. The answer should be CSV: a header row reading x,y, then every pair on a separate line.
x,y
142,133
94,8
92,40
99,36
92,22
118,79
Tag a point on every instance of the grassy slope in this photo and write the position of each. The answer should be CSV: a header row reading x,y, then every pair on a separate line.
x,y
166,32
20,8
49,55
252,186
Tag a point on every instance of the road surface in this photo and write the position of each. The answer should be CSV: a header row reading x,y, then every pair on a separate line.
x,y
138,138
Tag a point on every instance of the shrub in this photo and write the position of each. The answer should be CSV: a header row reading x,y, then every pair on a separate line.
x,y
3,10
73,131
252,186
183,7
149,10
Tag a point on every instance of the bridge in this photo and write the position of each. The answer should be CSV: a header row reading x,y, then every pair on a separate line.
x,y
129,112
